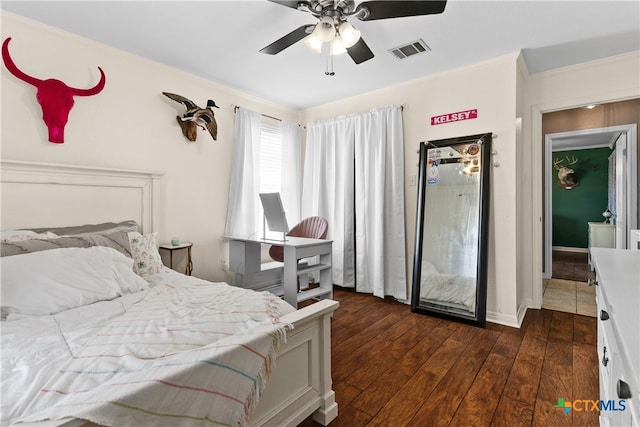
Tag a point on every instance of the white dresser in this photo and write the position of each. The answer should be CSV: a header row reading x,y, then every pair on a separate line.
x,y
618,299
634,242
601,235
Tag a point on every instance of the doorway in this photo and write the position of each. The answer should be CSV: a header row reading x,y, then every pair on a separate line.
x,y
624,190
566,270
566,111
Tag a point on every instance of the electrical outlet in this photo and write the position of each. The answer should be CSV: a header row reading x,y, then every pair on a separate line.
x,y
225,265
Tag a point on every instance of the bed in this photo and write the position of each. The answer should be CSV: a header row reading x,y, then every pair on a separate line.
x,y
139,344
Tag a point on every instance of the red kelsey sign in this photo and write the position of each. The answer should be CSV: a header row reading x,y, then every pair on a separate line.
x,y
454,117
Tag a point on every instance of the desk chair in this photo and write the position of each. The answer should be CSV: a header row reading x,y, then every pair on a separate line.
x,y
313,227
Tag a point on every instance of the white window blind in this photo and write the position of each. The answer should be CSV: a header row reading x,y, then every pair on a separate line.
x,y
271,158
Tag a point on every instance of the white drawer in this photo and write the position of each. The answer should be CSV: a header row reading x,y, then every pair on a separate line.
x,y
634,243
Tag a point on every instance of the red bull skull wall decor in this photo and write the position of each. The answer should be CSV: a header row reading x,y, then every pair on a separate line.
x,y
55,97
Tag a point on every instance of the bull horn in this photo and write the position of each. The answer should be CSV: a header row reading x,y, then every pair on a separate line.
x,y
13,69
92,91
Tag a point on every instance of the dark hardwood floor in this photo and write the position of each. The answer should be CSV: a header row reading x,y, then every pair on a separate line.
x,y
394,368
571,266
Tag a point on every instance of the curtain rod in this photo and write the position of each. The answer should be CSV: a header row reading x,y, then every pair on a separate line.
x,y
235,110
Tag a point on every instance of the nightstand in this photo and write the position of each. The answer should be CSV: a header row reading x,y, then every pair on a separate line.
x,y
186,245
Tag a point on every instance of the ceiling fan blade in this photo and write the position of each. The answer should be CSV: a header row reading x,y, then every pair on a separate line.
x,y
360,52
286,41
399,9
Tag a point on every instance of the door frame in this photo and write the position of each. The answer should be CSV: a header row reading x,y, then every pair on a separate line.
x,y
632,189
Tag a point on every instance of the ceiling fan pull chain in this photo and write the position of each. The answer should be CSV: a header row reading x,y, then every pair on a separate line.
x,y
329,71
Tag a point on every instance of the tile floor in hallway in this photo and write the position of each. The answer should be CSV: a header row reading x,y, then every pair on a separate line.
x,y
568,290
570,296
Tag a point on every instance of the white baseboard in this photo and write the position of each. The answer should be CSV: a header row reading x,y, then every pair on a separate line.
x,y
503,319
509,320
570,249
522,310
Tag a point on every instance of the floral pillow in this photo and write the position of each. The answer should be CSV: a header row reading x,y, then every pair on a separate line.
x,y
144,250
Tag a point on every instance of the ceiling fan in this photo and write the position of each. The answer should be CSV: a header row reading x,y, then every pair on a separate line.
x,y
333,27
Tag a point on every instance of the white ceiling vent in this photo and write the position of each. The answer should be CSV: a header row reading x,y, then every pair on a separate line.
x,y
409,49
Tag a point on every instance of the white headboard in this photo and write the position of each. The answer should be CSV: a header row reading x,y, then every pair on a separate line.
x,y
44,194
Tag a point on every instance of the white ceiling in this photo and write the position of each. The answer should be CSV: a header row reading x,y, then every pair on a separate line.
x,y
220,40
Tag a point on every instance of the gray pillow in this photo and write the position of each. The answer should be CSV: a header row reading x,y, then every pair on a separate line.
x,y
104,228
118,240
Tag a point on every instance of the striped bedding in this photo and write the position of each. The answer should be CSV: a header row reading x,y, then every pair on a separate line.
x,y
185,352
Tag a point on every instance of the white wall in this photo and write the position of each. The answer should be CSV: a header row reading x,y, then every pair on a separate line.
x,y
129,125
610,79
491,88
523,201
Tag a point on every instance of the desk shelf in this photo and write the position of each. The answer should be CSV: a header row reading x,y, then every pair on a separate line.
x,y
282,278
311,268
302,295
313,293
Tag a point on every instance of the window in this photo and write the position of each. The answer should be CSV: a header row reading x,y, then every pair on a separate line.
x,y
270,176
265,159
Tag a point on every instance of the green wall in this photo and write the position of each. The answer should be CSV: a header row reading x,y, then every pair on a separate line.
x,y
573,209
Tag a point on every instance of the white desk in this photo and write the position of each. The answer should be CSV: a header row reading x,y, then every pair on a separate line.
x,y
245,257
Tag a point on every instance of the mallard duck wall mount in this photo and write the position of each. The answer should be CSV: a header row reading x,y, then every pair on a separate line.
x,y
195,117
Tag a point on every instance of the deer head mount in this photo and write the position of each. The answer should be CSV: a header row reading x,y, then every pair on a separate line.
x,y
567,177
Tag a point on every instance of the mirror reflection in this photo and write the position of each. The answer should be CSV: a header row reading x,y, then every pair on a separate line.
x,y
448,276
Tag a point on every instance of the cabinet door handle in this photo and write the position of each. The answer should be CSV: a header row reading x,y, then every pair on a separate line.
x,y
592,282
604,315
605,359
624,392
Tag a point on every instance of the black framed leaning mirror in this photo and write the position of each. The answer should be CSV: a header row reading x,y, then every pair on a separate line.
x,y
452,224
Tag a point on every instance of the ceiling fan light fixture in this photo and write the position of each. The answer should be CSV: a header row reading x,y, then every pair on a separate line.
x,y
349,34
325,30
337,46
314,43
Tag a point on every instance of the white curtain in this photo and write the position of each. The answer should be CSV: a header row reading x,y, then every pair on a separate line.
x,y
379,184
358,162
242,208
328,189
291,172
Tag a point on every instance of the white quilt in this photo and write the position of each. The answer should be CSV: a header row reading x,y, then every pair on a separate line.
x,y
185,352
